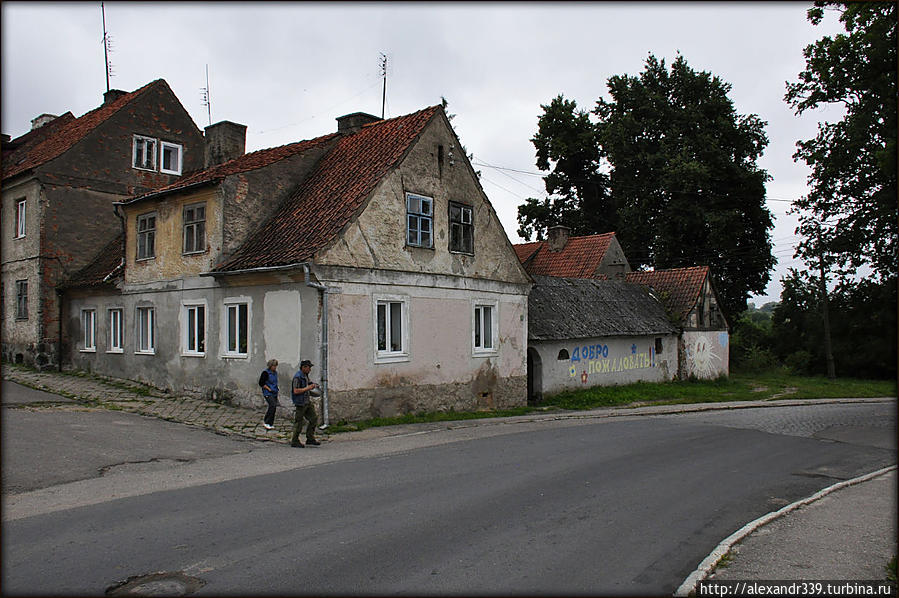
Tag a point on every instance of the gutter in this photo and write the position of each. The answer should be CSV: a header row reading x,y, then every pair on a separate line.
x,y
323,291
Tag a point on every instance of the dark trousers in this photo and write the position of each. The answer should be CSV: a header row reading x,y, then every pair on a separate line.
x,y
270,412
307,412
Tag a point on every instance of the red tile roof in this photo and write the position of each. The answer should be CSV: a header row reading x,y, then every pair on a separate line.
x,y
679,287
334,193
244,163
579,258
96,273
66,134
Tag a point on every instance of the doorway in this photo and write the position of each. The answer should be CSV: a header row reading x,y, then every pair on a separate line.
x,y
535,377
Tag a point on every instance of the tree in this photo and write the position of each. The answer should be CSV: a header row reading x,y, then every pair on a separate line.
x,y
577,192
682,186
850,212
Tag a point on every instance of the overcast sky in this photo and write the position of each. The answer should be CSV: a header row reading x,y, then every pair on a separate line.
x,y
287,70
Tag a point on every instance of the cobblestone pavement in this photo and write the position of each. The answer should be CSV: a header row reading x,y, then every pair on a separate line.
x,y
133,397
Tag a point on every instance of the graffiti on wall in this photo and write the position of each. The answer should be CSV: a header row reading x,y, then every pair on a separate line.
x,y
704,357
594,359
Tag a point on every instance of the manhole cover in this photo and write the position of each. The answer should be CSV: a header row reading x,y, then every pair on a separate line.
x,y
157,584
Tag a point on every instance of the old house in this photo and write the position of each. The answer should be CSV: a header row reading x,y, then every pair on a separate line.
x,y
588,332
692,303
372,251
59,183
587,265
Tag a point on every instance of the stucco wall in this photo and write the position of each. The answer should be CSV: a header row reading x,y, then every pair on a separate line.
x,y
604,362
705,354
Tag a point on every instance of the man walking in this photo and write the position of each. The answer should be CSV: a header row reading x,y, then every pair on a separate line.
x,y
305,409
269,381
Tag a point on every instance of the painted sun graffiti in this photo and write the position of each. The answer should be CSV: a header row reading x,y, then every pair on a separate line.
x,y
702,359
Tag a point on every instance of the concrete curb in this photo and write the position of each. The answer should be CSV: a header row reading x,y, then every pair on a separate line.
x,y
708,564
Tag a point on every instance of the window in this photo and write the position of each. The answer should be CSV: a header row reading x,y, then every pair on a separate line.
x,y
563,355
144,152
391,329
193,329
484,327
461,228
89,329
116,332
194,228
171,158
20,219
146,236
146,338
419,217
21,299
237,329
658,346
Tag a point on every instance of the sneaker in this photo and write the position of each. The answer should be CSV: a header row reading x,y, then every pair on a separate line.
x,y
313,442
268,427
297,444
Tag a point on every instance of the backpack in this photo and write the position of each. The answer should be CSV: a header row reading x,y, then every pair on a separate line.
x,y
263,378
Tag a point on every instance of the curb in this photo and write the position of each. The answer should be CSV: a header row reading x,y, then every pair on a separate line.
x,y
708,564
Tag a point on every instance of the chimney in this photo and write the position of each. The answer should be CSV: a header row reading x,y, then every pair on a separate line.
x,y
350,123
225,141
557,237
112,95
40,121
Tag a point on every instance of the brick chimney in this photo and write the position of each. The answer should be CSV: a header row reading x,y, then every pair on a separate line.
x,y
225,141
112,95
40,121
350,123
557,237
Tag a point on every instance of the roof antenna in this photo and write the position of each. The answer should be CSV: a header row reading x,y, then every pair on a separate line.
x,y
207,98
107,47
384,75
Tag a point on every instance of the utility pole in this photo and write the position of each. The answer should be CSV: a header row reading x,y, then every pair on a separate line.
x,y
384,75
828,351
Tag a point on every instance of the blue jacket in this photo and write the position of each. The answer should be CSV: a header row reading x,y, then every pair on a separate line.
x,y
272,383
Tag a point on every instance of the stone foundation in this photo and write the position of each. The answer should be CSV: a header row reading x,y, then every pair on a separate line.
x,y
41,356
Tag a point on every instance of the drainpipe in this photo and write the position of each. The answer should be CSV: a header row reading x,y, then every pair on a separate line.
x,y
323,290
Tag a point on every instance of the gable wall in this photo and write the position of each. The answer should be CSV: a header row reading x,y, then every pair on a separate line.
x,y
613,261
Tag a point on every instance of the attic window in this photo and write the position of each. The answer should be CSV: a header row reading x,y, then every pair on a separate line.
x,y
144,153
419,220
461,228
171,158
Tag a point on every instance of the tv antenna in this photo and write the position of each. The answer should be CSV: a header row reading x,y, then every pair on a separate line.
x,y
384,75
107,47
207,98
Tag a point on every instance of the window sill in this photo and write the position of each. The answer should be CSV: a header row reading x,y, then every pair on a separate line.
x,y
193,355
119,351
459,252
485,353
145,259
190,253
391,358
144,169
176,173
235,356
153,352
87,350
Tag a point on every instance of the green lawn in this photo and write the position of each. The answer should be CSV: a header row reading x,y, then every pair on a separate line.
x,y
738,387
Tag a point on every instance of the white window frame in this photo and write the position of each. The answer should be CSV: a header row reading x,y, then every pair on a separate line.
x,y
89,330
149,237
232,350
115,316
419,216
141,141
478,327
21,299
20,218
192,228
388,355
190,323
145,337
168,145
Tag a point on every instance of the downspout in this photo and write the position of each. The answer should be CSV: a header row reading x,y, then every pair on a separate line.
x,y
323,291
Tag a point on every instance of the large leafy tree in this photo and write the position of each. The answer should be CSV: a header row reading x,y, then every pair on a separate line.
x,y
577,191
850,215
684,188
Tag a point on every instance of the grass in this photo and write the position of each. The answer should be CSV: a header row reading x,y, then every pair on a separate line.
x,y
739,386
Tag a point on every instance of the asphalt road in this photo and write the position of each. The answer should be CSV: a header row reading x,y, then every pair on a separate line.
x,y
603,507
48,440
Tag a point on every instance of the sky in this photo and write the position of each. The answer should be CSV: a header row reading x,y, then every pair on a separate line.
x,y
287,70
